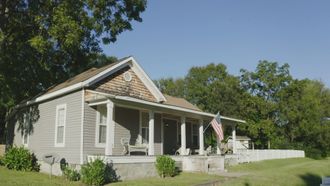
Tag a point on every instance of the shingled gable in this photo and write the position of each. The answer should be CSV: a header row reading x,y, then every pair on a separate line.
x,y
92,77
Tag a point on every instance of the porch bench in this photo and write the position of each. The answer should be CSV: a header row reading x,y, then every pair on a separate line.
x,y
128,149
137,148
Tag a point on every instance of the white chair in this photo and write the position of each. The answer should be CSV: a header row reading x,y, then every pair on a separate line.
x,y
178,152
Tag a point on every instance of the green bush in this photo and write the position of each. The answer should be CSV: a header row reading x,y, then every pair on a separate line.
x,y
19,158
71,174
1,161
95,173
165,166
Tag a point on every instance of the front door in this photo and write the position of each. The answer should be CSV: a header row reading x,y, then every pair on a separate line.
x,y
170,136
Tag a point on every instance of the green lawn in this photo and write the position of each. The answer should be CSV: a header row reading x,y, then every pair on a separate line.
x,y
10,177
302,171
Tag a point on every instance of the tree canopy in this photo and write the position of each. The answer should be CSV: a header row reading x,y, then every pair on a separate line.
x,y
282,110
46,42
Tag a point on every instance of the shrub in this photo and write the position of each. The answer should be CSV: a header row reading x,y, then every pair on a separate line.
x,y
165,166
1,161
95,173
71,174
21,159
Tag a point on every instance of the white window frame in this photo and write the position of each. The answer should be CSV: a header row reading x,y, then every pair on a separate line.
x,y
27,139
58,107
25,134
97,127
140,130
192,134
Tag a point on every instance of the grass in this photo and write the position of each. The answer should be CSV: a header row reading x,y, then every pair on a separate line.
x,y
300,171
179,180
11,177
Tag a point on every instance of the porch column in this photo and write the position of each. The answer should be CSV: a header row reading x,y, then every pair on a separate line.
x,y
183,135
234,138
201,137
110,129
151,149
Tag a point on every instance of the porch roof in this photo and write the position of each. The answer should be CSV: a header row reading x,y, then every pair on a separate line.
x,y
101,98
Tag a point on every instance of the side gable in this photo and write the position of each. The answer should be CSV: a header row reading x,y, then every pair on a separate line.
x,y
116,84
145,88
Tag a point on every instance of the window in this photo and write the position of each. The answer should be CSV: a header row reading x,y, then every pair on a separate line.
x,y
179,134
25,139
101,126
26,124
194,135
144,127
60,125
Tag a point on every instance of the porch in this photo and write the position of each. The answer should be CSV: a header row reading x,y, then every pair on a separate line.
x,y
155,128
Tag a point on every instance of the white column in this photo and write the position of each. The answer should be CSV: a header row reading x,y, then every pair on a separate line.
x,y
183,135
201,137
151,149
234,139
218,145
110,129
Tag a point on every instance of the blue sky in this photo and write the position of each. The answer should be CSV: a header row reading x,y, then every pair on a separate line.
x,y
178,34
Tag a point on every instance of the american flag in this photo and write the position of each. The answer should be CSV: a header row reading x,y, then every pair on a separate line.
x,y
217,126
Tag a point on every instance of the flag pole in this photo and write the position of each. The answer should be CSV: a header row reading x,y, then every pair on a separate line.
x,y
208,125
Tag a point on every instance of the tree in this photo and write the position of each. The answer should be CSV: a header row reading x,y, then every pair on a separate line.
x,y
304,111
46,42
260,107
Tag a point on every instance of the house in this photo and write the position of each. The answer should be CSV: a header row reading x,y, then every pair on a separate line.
x,y
108,111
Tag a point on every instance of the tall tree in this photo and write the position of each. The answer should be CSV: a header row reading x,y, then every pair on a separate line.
x,y
260,107
45,42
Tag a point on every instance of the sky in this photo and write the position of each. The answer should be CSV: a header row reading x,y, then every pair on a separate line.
x,y
176,35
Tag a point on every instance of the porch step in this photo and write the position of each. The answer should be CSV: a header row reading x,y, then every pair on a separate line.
x,y
215,171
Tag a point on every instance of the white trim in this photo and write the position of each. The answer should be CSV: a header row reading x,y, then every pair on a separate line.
x,y
140,130
106,72
97,127
25,115
58,107
60,92
27,140
82,127
151,131
78,85
162,134
125,98
110,129
135,67
147,81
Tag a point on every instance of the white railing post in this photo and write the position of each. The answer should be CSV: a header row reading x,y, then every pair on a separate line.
x,y
201,137
183,136
110,129
151,149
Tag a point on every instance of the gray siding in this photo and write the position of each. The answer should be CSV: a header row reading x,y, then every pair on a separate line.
x,y
126,126
158,134
42,137
127,123
89,133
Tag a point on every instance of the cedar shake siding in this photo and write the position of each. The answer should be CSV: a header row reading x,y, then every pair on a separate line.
x,y
42,138
116,85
